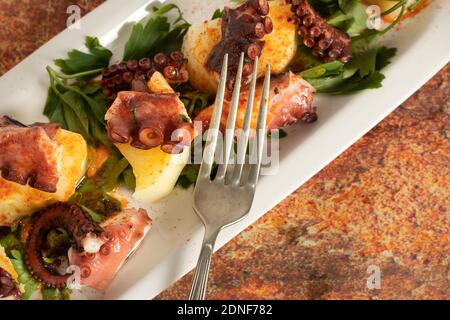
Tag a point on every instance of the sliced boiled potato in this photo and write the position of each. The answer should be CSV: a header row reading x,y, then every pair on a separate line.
x,y
158,84
281,44
279,49
17,201
197,45
156,172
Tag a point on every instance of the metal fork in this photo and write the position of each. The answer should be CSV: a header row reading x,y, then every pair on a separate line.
x,y
226,199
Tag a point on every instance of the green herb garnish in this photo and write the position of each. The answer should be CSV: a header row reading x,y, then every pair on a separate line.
x,y
369,58
93,193
14,250
30,285
281,134
217,14
195,101
55,294
156,35
78,105
78,61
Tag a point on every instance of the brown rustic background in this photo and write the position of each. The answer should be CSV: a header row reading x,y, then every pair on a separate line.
x,y
384,202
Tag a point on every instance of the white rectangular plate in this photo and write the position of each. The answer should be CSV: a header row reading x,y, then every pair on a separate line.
x,y
172,245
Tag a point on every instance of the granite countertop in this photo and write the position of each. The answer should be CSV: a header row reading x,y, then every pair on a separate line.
x,y
384,204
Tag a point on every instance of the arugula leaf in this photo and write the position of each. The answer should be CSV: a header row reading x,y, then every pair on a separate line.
x,y
92,195
48,260
217,14
188,175
10,242
363,73
384,57
165,9
156,35
351,17
79,107
172,41
364,49
143,38
14,250
281,134
76,102
129,180
304,59
325,7
30,285
90,88
338,85
110,173
98,132
325,69
95,201
195,101
56,294
77,118
78,61
57,238
54,109
94,215
363,70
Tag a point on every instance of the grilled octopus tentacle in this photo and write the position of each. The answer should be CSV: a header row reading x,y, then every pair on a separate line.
x,y
119,77
79,226
242,31
24,162
290,101
149,120
326,42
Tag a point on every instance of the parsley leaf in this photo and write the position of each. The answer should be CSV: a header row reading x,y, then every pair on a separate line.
x,y
129,180
55,294
14,250
369,58
188,175
351,17
217,14
54,109
156,35
357,76
78,61
143,38
93,193
30,285
323,70
79,107
195,101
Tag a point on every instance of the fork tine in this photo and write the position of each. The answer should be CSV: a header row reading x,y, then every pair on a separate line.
x,y
231,122
243,139
261,129
211,138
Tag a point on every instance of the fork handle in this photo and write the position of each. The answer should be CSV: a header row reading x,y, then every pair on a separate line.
x,y
198,289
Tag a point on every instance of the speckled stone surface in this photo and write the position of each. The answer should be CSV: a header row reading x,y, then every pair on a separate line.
x,y
385,202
